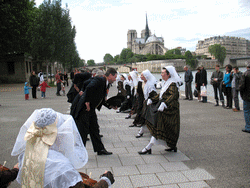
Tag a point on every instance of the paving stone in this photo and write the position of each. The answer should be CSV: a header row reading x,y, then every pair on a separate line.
x,y
175,156
108,160
150,168
174,166
172,177
153,158
128,160
125,170
166,186
122,144
199,184
197,175
122,182
144,180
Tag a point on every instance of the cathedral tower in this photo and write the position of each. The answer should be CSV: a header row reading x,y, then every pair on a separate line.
x,y
132,34
147,34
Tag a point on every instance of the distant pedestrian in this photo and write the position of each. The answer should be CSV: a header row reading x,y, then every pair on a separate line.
x,y
34,82
245,95
26,91
40,76
188,79
227,81
216,80
203,81
43,88
65,76
58,83
235,87
198,82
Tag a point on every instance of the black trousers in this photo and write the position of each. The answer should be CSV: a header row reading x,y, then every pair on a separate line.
x,y
87,124
34,92
216,90
58,85
229,96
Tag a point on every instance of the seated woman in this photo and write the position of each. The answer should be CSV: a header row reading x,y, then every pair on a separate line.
x,y
50,150
165,124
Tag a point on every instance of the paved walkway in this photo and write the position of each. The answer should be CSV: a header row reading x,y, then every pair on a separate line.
x,y
212,149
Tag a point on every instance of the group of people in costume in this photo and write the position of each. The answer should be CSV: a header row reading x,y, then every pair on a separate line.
x,y
51,146
155,111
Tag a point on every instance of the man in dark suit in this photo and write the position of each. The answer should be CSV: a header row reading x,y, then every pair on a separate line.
x,y
84,113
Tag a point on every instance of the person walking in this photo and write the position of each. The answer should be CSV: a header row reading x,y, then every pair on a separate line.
x,y
66,79
244,87
165,129
203,82
84,112
34,82
188,79
227,81
43,88
235,87
216,79
58,83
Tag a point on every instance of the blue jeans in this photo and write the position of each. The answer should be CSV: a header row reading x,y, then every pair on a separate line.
x,y
246,108
42,94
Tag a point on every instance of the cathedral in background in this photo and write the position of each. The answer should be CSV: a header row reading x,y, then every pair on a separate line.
x,y
147,44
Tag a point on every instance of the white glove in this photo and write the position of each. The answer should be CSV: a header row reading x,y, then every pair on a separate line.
x,y
162,107
149,102
128,97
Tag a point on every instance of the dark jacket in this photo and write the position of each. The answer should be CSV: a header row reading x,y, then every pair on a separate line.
x,y
245,86
7,176
219,75
34,80
188,76
204,77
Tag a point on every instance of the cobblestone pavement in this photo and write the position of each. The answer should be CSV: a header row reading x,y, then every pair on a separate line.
x,y
212,149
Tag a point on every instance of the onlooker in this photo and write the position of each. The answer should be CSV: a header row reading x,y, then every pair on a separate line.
x,y
203,81
188,78
40,76
7,176
235,87
26,91
65,76
58,83
244,87
216,80
43,88
227,81
34,82
198,82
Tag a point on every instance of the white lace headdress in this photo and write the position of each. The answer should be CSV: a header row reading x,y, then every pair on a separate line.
x,y
150,85
65,155
174,77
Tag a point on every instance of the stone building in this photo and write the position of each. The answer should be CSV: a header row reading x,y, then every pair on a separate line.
x,y
147,43
235,46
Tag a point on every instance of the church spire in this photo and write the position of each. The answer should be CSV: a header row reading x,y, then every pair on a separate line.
x,y
146,29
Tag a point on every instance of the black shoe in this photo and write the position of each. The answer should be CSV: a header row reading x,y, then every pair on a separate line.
x,y
101,135
139,135
190,99
186,99
133,125
145,152
104,152
244,130
171,149
216,104
58,95
129,116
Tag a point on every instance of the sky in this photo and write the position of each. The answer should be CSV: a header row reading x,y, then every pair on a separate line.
x,y
102,25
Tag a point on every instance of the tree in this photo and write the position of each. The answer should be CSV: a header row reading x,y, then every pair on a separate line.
x,y
91,62
190,60
16,19
126,54
108,58
174,51
219,52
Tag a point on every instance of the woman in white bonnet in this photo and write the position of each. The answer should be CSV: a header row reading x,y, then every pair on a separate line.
x,y
50,149
165,129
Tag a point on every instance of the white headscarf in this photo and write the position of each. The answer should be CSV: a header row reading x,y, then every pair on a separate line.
x,y
65,155
126,81
174,77
134,76
150,85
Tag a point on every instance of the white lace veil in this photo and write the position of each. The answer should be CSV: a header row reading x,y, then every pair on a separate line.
x,y
174,77
66,154
150,85
134,76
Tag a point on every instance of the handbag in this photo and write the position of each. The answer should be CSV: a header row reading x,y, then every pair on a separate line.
x,y
203,91
195,93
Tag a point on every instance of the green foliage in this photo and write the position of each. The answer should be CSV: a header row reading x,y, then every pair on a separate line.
x,y
175,51
219,52
190,60
116,58
91,62
108,58
16,19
